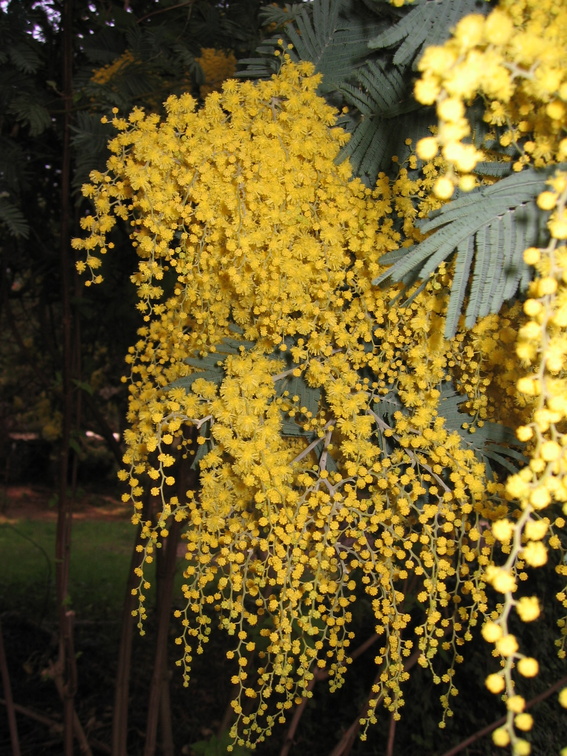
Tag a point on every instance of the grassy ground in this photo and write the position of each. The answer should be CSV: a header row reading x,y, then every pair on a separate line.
x,y
100,556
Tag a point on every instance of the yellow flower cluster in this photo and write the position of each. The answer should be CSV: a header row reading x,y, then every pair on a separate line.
x,y
516,60
105,74
217,66
328,473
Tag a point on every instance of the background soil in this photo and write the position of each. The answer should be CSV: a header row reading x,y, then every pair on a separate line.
x,y
24,502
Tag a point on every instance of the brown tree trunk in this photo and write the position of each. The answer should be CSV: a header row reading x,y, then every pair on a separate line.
x,y
65,669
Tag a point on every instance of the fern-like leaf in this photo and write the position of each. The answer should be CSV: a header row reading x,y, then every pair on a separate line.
x,y
24,57
381,117
13,218
332,34
90,139
492,443
424,23
29,111
500,221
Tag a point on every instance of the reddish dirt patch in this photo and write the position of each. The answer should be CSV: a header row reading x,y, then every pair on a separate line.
x,y
37,503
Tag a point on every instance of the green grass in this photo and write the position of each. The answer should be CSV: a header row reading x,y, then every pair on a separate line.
x,y
100,559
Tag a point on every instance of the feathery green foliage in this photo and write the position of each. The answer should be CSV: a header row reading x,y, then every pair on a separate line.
x,y
488,230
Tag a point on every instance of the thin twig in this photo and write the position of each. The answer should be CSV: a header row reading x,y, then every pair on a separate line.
x,y
489,728
349,735
318,676
54,725
165,10
391,736
10,710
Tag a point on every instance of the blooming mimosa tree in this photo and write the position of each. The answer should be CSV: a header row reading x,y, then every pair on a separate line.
x,y
353,432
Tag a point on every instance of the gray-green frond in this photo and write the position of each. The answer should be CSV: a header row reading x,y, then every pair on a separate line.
x,y
210,366
275,14
382,115
329,33
492,443
487,230
424,23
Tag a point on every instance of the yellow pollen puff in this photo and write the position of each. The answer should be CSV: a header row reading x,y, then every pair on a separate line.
x,y
532,255
546,285
528,666
550,451
501,580
516,704
524,433
547,200
507,645
470,30
528,608
443,188
495,683
528,385
534,530
503,530
491,632
427,148
532,307
524,721
534,553
500,737
498,28
450,109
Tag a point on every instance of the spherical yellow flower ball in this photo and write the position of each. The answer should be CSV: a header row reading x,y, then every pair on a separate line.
x,y
467,183
437,59
516,487
532,307
498,28
501,580
563,698
546,285
495,683
500,737
521,748
558,227
528,666
535,529
491,632
469,31
507,645
426,91
503,530
443,188
528,608
516,704
524,433
532,255
540,498
534,553
451,109
524,721
427,148
528,385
